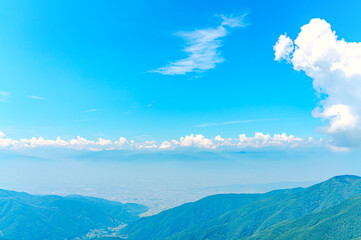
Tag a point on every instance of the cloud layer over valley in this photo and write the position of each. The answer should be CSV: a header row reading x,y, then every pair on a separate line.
x,y
259,140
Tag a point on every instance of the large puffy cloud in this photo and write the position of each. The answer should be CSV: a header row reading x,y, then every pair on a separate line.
x,y
190,141
335,67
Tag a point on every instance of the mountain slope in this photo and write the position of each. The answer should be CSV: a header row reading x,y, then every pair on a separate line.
x,y
23,216
187,215
339,222
255,217
247,219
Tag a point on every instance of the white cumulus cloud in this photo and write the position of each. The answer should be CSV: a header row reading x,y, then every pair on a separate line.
x,y
257,141
266,140
335,67
283,48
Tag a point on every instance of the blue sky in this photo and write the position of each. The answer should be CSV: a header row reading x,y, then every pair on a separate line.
x,y
89,69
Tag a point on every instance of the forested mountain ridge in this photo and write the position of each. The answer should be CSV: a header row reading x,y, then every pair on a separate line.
x,y
328,210
338,222
27,217
249,216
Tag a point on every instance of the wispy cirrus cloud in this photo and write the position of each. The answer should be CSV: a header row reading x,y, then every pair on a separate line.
x,y
37,97
202,48
235,122
91,110
4,96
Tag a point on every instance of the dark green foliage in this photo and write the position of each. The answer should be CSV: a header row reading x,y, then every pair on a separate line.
x,y
249,216
342,221
24,216
191,214
329,210
109,238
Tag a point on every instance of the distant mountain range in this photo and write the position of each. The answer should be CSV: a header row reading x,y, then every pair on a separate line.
x,y
29,217
329,210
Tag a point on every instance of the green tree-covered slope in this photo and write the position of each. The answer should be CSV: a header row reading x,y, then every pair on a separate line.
x,y
340,222
28,217
258,213
185,216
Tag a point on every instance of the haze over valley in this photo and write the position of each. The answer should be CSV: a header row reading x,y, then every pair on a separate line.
x,y
180,120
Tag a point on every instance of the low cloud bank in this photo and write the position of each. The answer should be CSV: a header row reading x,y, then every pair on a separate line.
x,y
259,140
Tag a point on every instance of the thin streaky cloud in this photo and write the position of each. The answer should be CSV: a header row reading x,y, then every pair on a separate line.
x,y
143,106
235,122
84,120
92,110
4,96
37,97
202,48
232,21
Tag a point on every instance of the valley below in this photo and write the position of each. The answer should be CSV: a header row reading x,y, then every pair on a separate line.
x,y
327,210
